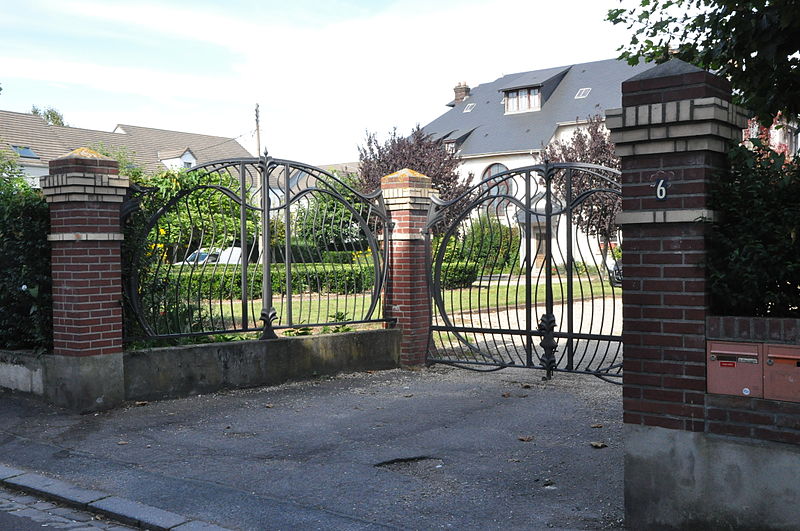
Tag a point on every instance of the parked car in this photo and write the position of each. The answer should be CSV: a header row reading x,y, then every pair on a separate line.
x,y
229,255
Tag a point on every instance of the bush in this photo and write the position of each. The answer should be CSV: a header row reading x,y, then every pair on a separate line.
x,y
224,282
25,278
337,257
458,274
491,243
754,262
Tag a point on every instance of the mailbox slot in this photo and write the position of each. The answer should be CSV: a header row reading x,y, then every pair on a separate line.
x,y
782,372
735,369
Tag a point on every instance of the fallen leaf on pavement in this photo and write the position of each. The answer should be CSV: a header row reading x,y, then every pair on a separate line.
x,y
269,406
122,442
526,438
526,386
506,395
597,444
597,425
141,403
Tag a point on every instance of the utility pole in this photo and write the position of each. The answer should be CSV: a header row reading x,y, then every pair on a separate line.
x,y
258,133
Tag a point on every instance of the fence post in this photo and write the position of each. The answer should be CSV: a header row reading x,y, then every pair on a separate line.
x,y
683,468
407,197
85,192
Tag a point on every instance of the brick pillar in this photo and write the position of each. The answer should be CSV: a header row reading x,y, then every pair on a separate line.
x,y
85,193
672,134
407,196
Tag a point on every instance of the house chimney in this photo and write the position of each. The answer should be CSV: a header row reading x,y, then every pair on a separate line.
x,y
461,92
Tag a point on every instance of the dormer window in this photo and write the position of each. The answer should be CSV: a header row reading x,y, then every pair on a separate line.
x,y
523,100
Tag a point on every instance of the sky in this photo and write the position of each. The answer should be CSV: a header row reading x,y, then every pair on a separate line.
x,y
322,72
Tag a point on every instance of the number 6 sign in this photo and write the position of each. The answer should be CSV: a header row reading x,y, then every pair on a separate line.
x,y
661,183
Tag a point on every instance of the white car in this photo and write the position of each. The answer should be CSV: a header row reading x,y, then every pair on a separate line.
x,y
229,255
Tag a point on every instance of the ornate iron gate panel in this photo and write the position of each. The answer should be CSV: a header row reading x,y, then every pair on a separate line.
x,y
526,272
235,242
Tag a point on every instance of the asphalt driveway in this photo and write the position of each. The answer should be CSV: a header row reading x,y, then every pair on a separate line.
x,y
428,449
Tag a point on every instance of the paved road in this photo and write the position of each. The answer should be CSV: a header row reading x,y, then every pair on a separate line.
x,y
23,512
436,448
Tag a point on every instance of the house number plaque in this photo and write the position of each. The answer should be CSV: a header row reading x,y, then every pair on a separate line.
x,y
661,183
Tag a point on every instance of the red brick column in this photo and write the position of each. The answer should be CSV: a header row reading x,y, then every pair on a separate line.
x,y
682,467
85,193
407,196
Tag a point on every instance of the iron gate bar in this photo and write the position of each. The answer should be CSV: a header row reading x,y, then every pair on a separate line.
x,y
591,347
253,177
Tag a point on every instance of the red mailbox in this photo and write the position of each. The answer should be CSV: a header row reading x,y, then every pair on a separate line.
x,y
782,372
735,369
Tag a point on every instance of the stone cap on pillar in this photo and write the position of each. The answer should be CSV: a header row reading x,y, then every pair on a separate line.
x,y
675,107
407,190
672,81
84,175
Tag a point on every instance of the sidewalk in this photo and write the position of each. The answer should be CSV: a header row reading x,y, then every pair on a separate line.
x,y
438,448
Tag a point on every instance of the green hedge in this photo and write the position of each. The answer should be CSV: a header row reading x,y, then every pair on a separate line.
x,y
458,274
337,257
224,282
25,279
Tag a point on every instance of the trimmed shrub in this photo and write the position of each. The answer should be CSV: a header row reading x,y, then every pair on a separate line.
x,y
491,243
25,278
458,274
337,257
224,282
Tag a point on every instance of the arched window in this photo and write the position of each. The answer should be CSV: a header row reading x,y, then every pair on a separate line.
x,y
497,206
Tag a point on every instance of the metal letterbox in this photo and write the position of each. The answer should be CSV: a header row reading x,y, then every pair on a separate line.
x,y
735,368
782,372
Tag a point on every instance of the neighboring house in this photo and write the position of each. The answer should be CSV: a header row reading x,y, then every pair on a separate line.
x,y
37,143
504,124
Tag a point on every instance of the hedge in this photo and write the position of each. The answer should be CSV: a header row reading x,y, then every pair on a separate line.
x,y
224,282
458,274
25,279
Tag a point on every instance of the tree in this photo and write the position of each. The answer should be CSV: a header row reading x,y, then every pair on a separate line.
x,y
592,144
50,115
755,44
418,152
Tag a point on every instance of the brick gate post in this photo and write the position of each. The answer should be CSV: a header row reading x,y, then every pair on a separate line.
x,y
85,192
407,197
693,459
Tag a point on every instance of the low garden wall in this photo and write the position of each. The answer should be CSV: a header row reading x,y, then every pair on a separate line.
x,y
172,372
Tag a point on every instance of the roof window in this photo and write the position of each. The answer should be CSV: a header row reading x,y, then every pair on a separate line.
x,y
25,152
469,107
523,100
582,93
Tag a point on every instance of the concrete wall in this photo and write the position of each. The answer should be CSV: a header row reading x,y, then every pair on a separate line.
x,y
172,372
193,369
677,479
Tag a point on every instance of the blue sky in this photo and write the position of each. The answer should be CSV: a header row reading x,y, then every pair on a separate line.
x,y
322,72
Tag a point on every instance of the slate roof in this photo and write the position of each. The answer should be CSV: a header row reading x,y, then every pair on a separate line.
x,y
486,129
144,143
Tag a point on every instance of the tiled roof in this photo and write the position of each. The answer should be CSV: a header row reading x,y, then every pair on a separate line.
x,y
143,143
486,129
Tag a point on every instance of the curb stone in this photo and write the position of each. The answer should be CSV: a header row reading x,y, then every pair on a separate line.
x,y
120,509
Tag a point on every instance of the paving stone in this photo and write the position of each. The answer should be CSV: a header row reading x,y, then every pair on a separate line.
x,y
55,489
72,514
43,505
7,472
194,525
131,512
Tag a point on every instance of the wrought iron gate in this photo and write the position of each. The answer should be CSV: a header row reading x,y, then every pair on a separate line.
x,y
234,242
526,272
